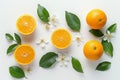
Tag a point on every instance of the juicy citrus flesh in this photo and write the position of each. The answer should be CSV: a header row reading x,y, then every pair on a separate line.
x,y
26,24
96,19
61,38
24,54
93,50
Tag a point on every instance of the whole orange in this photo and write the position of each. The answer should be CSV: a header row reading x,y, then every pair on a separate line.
x,y
96,19
93,50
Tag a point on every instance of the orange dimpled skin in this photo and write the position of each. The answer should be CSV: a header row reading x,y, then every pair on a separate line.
x,y
61,38
93,50
96,19
26,24
24,54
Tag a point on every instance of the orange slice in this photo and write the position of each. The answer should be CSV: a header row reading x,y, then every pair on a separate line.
x,y
61,38
26,24
24,54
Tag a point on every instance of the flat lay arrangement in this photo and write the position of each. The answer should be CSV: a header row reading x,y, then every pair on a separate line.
x,y
85,46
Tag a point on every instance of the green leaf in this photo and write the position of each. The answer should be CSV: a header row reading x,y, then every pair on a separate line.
x,y
9,37
11,48
108,47
103,66
97,33
43,13
48,60
16,72
76,65
17,38
73,21
112,28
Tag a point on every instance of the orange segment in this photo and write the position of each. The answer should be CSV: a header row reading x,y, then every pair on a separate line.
x,y
93,50
26,24
24,54
61,38
96,19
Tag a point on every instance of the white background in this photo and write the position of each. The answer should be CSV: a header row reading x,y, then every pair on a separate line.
x,y
10,10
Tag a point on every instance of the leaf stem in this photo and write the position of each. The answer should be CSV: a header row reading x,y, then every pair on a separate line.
x,y
26,77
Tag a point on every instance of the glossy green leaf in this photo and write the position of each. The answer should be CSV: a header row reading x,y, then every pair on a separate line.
x,y
17,38
108,47
16,72
73,21
48,59
77,65
112,28
11,48
103,66
9,37
43,13
97,33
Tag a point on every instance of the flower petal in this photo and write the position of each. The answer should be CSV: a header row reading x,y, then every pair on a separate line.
x,y
38,42
42,45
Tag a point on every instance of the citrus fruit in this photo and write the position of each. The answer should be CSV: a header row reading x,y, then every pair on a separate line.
x,y
61,38
24,54
96,19
26,24
93,50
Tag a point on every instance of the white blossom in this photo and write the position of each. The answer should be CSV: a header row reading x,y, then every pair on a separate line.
x,y
63,60
78,38
53,23
54,20
42,42
108,36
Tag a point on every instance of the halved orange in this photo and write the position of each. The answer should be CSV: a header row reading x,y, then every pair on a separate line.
x,y
26,24
61,38
24,54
